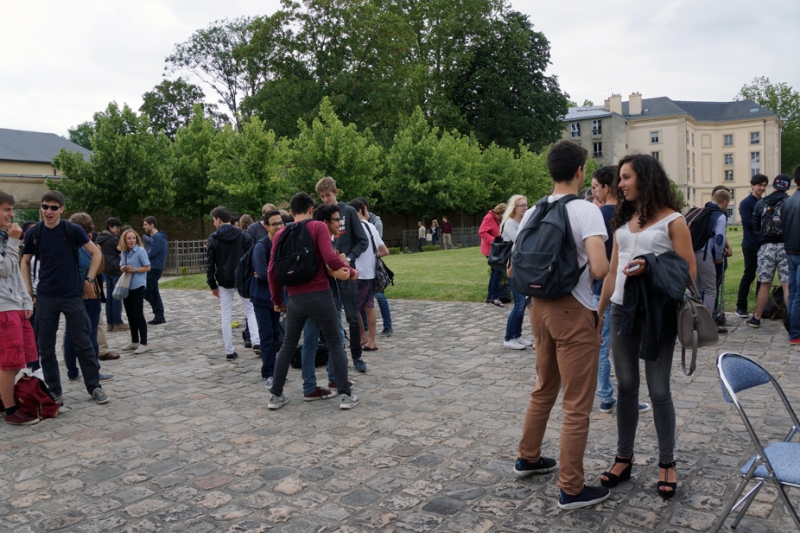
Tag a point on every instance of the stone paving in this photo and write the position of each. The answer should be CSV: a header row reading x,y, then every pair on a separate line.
x,y
187,442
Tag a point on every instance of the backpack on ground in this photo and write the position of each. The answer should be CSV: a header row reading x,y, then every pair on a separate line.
x,y
33,399
545,259
776,305
320,359
771,224
295,256
701,222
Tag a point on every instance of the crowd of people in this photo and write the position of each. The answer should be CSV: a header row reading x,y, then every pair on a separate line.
x,y
635,255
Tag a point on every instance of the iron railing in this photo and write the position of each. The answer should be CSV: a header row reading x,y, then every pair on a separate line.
x,y
462,238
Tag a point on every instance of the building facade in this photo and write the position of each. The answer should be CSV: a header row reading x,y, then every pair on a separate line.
x,y
700,144
26,162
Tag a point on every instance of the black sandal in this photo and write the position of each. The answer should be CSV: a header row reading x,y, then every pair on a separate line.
x,y
613,479
662,485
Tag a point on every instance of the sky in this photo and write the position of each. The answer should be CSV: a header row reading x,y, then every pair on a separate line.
x,y
60,62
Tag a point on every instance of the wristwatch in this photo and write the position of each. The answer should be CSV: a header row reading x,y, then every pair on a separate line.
x,y
90,280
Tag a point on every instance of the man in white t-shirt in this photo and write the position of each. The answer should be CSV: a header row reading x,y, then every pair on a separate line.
x,y
365,286
567,344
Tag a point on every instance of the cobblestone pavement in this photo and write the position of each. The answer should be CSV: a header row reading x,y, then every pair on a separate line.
x,y
187,442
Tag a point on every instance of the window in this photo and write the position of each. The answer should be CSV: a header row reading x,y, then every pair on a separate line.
x,y
755,137
597,149
655,154
727,140
597,127
755,163
653,137
730,213
576,129
692,158
729,175
728,159
692,139
733,194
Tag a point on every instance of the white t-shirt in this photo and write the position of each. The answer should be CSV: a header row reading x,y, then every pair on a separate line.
x,y
586,221
365,263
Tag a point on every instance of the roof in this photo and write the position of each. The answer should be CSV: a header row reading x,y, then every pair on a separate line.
x,y
663,106
34,146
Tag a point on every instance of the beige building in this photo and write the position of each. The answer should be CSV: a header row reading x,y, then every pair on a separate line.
x,y
700,144
26,162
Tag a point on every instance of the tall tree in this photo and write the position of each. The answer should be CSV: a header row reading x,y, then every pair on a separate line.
x,y
129,172
170,105
210,54
82,134
783,100
329,148
192,157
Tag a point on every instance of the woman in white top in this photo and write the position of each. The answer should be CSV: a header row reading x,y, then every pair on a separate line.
x,y
647,220
517,205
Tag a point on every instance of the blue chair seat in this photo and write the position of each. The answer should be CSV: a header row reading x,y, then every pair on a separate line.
x,y
785,460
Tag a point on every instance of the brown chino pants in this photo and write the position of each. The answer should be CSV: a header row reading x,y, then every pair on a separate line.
x,y
567,348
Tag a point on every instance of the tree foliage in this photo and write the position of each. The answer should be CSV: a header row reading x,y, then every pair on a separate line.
x,y
170,105
82,134
129,171
783,100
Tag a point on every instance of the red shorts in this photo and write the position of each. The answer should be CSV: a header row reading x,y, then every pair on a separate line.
x,y
17,342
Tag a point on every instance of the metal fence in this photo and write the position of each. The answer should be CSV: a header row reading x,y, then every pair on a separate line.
x,y
462,238
185,257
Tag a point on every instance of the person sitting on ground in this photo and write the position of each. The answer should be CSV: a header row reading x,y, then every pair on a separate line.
x,y
17,342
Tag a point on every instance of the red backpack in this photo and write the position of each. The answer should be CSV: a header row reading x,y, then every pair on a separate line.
x,y
33,399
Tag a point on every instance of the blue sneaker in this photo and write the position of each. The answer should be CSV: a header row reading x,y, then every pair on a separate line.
x,y
607,405
524,468
644,407
587,497
360,365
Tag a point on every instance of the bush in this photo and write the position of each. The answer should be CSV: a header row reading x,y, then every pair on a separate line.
x,y
184,271
394,250
430,248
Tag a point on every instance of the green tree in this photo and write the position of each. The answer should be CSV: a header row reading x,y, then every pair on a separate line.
x,y
329,148
129,172
82,134
170,105
210,54
783,100
248,168
192,157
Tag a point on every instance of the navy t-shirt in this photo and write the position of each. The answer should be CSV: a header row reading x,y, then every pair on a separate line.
x,y
608,214
58,271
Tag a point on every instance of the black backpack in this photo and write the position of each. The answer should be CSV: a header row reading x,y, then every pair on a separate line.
x,y
295,256
545,259
700,225
244,272
771,223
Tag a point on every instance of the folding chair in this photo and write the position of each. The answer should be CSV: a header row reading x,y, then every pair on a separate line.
x,y
779,462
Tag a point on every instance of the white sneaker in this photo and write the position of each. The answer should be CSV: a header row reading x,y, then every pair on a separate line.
x,y
268,383
514,345
524,341
131,346
276,402
142,349
348,402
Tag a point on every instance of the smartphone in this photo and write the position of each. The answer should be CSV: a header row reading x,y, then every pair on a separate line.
x,y
633,267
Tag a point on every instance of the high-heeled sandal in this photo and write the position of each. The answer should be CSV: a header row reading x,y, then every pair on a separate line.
x,y
662,485
612,479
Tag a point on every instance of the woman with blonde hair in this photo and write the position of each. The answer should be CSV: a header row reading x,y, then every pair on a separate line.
x,y
135,261
509,226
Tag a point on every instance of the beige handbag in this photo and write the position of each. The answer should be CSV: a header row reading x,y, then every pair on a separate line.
x,y
696,327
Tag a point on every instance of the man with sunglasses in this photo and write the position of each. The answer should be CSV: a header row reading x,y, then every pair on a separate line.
x,y
60,290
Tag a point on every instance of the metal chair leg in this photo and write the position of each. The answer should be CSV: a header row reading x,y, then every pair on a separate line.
x,y
747,500
727,511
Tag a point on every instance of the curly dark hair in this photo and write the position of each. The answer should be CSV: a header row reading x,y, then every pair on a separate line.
x,y
653,188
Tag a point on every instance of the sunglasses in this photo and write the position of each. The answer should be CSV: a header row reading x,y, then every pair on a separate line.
x,y
45,207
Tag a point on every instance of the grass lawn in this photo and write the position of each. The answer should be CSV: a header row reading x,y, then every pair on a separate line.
x,y
463,276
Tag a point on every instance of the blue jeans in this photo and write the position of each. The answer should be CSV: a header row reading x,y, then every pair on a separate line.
x,y
113,306
268,325
794,296
514,324
71,360
605,390
494,284
308,355
152,295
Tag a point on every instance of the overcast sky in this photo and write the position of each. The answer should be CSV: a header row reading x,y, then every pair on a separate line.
x,y
60,62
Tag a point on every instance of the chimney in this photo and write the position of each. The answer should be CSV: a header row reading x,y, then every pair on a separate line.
x,y
635,104
615,104
606,104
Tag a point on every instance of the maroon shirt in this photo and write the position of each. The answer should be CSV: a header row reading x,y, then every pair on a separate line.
x,y
325,255
447,227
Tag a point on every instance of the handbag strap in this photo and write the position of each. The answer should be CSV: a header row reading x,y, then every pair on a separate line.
x,y
693,363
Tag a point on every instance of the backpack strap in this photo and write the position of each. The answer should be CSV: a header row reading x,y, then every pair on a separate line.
x,y
366,228
71,239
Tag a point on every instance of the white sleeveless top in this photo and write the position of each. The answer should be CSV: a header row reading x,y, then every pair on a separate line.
x,y
653,240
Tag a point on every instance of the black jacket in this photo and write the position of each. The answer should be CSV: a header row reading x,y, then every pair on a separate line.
x,y
225,247
790,216
651,302
108,243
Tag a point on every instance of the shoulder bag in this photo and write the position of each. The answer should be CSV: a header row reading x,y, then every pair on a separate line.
x,y
696,327
122,287
383,276
500,253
